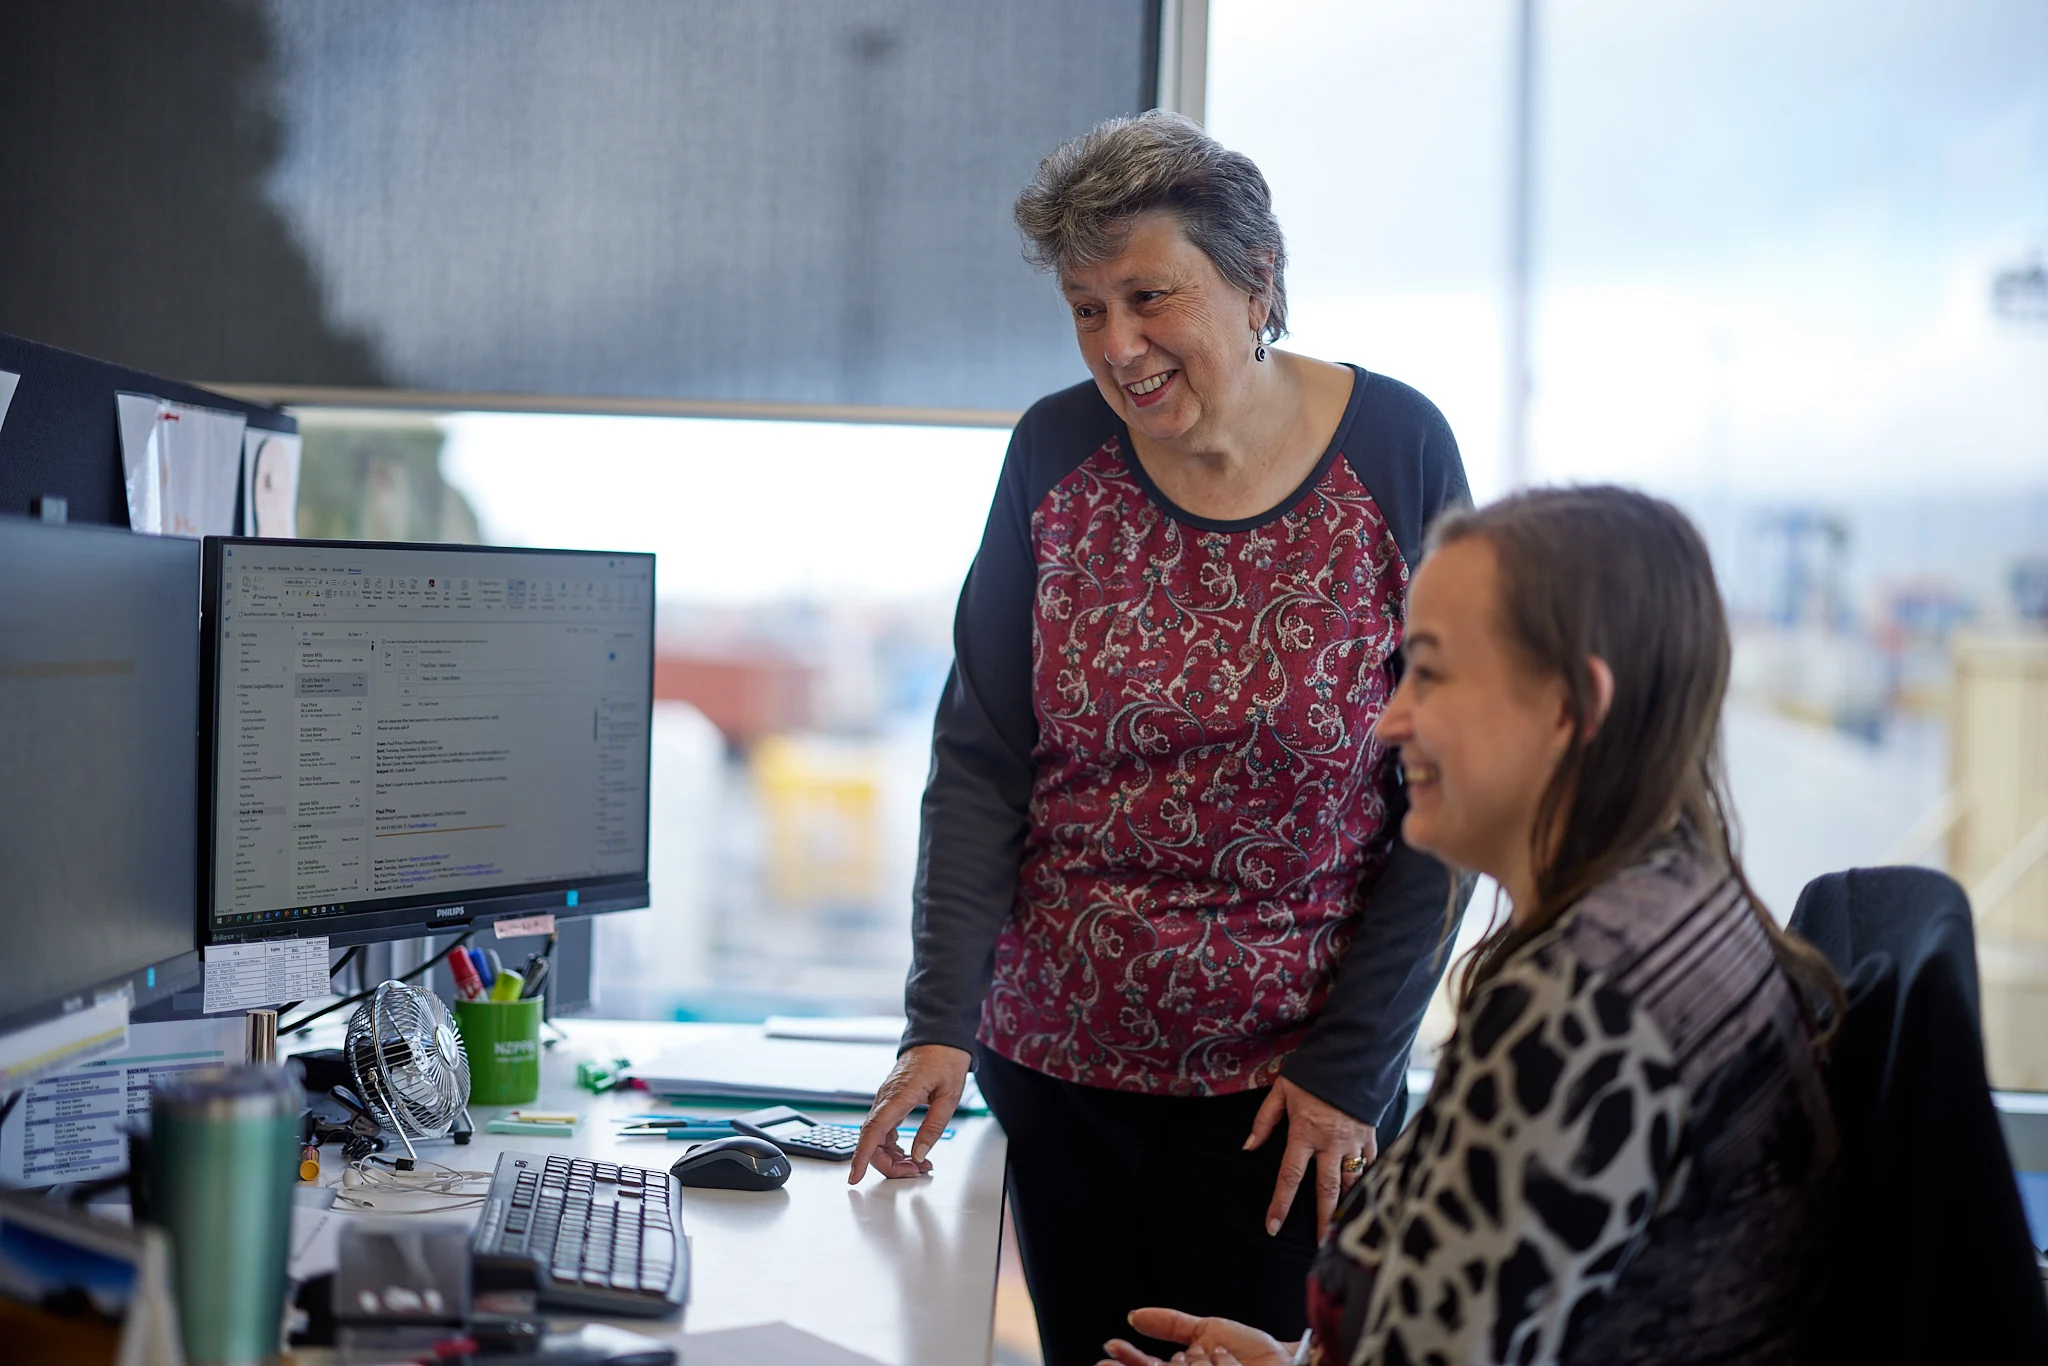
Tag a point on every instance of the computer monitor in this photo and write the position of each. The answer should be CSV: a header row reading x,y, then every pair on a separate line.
x,y
409,738
99,726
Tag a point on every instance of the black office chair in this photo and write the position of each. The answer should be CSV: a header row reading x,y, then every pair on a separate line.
x,y
1929,1258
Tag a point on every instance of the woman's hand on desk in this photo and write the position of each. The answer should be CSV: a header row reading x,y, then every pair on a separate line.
x,y
1315,1129
931,1075
1210,1342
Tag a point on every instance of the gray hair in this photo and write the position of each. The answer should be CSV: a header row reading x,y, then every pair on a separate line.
x,y
1078,209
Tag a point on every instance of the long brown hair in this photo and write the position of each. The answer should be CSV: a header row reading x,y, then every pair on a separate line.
x,y
1606,571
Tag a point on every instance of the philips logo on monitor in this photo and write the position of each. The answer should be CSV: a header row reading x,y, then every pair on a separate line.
x,y
447,911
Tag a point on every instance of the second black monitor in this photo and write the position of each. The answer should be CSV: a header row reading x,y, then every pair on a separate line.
x,y
406,737
99,719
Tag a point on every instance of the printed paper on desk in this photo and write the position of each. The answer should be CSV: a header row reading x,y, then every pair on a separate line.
x,y
69,1127
8,379
181,465
243,976
522,926
836,1028
315,1247
745,1065
270,483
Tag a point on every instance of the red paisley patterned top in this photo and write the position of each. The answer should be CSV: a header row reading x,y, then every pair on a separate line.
x,y
1159,849
1208,796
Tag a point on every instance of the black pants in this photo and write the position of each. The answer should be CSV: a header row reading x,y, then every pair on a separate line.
x,y
1125,1200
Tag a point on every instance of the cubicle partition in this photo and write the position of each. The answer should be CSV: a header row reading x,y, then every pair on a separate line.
x,y
59,436
61,460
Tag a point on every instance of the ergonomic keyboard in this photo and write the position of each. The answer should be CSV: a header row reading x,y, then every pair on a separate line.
x,y
582,1236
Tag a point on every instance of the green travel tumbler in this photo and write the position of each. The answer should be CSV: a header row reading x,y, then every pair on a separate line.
x,y
223,1145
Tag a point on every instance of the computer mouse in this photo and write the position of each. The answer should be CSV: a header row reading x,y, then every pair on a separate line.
x,y
739,1163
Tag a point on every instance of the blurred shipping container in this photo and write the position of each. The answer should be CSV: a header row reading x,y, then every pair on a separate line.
x,y
1998,843
746,695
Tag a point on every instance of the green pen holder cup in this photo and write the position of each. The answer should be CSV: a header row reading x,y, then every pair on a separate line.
x,y
502,1039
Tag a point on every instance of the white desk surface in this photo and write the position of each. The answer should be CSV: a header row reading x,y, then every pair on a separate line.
x,y
902,1271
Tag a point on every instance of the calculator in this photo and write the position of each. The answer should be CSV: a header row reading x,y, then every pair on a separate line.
x,y
793,1131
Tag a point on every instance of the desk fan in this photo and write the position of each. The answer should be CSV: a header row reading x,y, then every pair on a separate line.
x,y
408,1064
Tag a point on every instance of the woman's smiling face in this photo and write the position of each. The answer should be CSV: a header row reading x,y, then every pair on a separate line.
x,y
1479,729
1167,338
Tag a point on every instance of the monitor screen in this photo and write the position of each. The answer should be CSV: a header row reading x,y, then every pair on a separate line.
x,y
410,737
99,723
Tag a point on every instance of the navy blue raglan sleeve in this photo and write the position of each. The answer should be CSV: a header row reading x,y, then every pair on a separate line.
x,y
971,830
1355,1055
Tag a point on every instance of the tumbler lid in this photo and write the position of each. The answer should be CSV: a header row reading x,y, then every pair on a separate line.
x,y
243,1091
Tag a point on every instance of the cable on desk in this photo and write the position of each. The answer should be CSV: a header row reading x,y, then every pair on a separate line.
x,y
373,1178
361,996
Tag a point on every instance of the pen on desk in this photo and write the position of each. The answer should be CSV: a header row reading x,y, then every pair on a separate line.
x,y
483,967
677,1131
657,1120
497,963
698,1126
537,1127
509,986
536,976
705,1131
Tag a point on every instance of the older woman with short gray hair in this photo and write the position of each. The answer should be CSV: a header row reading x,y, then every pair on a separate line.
x,y
1162,906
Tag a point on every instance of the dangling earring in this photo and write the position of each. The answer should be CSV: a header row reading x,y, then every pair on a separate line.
x,y
1259,351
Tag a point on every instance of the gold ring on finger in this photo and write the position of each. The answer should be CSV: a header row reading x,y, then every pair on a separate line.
x,y
1353,1165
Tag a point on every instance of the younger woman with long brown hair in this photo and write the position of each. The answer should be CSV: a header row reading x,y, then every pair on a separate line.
x,y
1626,1151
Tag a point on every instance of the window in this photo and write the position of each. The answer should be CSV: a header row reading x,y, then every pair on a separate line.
x,y
1787,271
806,577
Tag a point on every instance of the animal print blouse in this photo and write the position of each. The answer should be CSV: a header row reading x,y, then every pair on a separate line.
x,y
1622,1157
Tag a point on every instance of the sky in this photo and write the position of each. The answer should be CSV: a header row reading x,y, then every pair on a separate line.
x,y
738,512
1764,241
